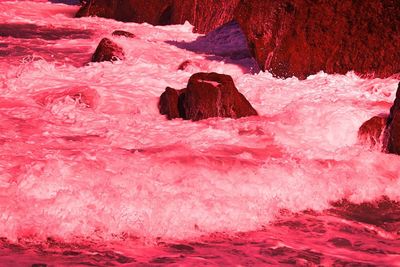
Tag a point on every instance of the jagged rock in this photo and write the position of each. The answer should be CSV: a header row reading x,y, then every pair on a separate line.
x,y
300,37
393,125
205,15
207,95
123,33
370,132
107,50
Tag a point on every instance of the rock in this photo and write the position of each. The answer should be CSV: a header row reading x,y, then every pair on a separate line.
x,y
214,95
99,8
184,65
207,95
288,38
393,125
107,50
123,33
170,105
205,15
300,37
371,131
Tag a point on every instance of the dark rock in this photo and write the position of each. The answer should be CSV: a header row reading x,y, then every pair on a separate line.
x,y
370,132
170,105
393,125
99,8
214,95
184,65
205,15
207,95
300,37
107,50
123,33
288,38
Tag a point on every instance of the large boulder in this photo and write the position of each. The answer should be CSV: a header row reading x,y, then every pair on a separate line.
x,y
107,50
393,126
302,37
205,15
207,95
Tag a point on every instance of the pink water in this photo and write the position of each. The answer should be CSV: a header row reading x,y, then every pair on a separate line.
x,y
92,175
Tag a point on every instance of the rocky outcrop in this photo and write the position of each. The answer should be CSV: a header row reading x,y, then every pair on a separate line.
x,y
393,126
288,38
123,33
205,15
371,131
107,50
301,37
207,95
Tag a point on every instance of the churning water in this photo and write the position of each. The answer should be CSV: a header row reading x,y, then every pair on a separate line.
x,y
92,174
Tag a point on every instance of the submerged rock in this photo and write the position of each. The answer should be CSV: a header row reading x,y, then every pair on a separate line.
x,y
184,65
300,37
207,95
107,50
123,33
371,131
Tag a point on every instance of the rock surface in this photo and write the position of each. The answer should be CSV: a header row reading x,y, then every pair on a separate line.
x,y
207,95
393,125
370,132
205,15
300,37
288,38
170,105
107,50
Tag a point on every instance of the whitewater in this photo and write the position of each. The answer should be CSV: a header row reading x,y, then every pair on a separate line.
x,y
92,175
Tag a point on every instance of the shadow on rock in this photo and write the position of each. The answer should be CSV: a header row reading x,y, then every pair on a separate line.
x,y
227,43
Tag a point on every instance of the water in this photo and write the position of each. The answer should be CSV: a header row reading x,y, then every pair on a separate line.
x,y
92,174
